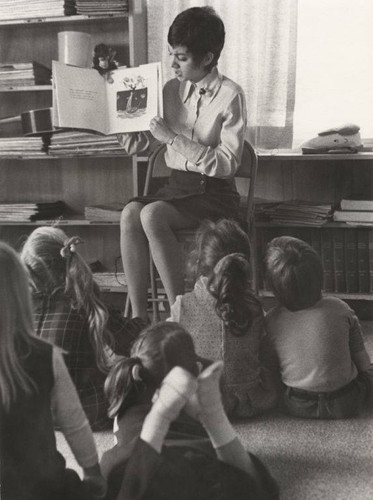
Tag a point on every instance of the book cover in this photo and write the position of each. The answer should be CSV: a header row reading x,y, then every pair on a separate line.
x,y
339,260
353,216
356,204
124,101
327,259
363,260
351,261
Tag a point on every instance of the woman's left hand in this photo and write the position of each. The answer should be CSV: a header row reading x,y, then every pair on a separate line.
x,y
160,130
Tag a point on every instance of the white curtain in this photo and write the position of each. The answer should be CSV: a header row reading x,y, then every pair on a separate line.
x,y
259,54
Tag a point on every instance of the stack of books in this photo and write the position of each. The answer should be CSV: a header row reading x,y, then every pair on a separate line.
x,y
355,212
27,9
24,74
104,213
97,7
294,212
19,212
74,143
17,147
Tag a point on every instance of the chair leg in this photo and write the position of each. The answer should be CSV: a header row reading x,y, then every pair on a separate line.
x,y
154,292
127,307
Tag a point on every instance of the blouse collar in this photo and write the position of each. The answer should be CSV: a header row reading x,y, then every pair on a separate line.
x,y
210,84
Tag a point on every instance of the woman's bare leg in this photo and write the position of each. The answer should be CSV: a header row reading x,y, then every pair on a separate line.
x,y
135,257
159,221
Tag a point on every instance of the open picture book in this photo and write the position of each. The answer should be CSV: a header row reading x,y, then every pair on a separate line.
x,y
124,100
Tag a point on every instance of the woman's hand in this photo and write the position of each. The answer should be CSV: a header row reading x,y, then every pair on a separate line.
x,y
160,130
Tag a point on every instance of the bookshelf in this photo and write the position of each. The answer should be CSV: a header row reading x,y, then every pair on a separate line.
x,y
78,180
345,249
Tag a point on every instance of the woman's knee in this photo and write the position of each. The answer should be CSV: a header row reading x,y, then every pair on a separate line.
x,y
130,216
154,218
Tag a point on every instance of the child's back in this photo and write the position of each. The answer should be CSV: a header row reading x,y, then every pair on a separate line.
x,y
314,345
314,342
225,318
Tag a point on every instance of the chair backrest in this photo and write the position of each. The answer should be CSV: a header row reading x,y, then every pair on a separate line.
x,y
245,176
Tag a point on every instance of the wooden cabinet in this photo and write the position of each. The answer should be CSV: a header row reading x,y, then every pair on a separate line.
x,y
78,181
346,250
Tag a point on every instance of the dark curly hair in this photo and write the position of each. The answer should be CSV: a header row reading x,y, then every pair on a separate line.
x,y
222,254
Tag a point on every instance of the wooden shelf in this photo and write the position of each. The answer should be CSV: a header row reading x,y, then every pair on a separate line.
x,y
45,156
327,225
27,88
343,296
63,222
62,19
299,156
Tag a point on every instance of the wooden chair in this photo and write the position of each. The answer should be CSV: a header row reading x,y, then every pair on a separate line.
x,y
156,175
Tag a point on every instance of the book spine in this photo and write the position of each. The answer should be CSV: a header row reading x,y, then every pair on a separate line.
x,y
363,260
327,259
370,254
339,260
351,261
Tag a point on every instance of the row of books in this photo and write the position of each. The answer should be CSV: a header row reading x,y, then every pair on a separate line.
x,y
27,9
16,147
24,212
89,7
24,74
354,211
83,143
293,212
346,254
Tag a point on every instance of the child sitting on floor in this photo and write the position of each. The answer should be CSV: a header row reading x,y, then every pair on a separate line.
x,y
225,318
35,392
314,342
69,313
160,454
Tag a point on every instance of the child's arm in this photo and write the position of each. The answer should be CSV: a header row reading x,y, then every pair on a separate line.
x,y
359,354
70,417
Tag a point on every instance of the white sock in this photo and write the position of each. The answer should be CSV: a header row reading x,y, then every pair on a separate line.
x,y
212,413
177,387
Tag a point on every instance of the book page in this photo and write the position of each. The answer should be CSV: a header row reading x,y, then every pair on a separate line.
x,y
132,98
79,98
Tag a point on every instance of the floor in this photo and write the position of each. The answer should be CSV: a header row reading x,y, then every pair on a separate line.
x,y
311,460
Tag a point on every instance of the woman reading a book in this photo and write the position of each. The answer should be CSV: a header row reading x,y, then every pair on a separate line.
x,y
204,128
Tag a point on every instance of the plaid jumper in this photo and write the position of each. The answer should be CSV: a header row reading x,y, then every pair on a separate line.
x,y
57,321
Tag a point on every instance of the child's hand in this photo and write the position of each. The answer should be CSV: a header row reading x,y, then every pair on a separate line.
x,y
96,485
95,482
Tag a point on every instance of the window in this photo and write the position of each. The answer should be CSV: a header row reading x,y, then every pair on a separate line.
x,y
334,69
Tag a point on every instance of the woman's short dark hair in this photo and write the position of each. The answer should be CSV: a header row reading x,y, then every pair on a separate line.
x,y
294,272
200,30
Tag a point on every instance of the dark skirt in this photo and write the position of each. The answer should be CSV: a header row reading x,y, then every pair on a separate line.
x,y
198,196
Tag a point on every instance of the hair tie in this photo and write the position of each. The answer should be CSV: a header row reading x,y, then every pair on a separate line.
x,y
69,246
136,369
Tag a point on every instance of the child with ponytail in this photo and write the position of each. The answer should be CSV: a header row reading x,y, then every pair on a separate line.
x,y
36,392
68,312
183,445
225,318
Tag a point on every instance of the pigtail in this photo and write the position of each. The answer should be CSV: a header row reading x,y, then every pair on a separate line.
x,y
84,292
123,384
236,304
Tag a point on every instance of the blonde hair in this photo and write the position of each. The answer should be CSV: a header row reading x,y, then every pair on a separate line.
x,y
16,326
52,261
